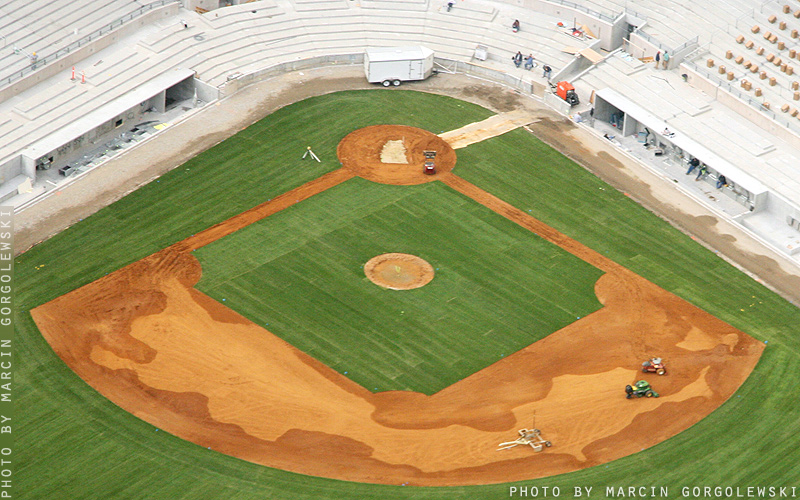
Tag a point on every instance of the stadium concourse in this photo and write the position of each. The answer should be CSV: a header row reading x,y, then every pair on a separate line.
x,y
83,84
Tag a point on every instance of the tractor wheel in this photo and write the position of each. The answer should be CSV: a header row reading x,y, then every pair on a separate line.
x,y
662,371
396,83
548,444
648,394
644,369
629,396
386,83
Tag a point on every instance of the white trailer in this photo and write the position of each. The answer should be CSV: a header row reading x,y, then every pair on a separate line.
x,y
392,65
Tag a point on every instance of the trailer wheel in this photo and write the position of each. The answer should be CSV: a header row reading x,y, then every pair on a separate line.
x,y
396,83
661,371
386,83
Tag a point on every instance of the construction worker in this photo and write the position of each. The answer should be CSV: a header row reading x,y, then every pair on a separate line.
x,y
702,172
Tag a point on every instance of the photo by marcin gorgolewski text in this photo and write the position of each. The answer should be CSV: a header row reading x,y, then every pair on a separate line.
x,y
6,362
668,492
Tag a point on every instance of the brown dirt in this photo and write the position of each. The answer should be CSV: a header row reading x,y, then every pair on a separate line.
x,y
398,271
360,153
160,349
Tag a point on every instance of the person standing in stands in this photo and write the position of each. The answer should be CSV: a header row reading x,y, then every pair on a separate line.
x,y
658,58
666,59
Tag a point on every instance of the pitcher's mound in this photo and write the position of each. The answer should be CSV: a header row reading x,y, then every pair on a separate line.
x,y
398,271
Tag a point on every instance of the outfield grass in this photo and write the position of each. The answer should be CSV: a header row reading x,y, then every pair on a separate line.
x,y
610,223
71,443
497,288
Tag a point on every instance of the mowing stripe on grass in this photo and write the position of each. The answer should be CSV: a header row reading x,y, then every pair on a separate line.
x,y
491,275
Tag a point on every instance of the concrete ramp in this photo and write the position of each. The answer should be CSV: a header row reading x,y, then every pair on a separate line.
x,y
490,127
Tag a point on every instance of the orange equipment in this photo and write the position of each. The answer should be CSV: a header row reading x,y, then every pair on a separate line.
x,y
566,91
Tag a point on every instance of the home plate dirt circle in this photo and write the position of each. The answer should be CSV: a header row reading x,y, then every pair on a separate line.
x,y
360,152
398,271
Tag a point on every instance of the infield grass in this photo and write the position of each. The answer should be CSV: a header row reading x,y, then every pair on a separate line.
x,y
72,443
497,288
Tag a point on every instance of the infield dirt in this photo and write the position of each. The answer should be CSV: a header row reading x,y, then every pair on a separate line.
x,y
149,341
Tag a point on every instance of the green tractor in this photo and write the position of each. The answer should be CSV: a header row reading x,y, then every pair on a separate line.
x,y
639,389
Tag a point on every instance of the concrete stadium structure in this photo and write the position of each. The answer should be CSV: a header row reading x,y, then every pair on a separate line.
x,y
141,65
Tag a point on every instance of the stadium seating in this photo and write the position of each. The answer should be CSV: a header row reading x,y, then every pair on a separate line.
x,y
44,26
755,53
265,34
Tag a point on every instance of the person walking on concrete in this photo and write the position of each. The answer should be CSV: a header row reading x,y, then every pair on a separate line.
x,y
693,164
701,172
517,59
666,59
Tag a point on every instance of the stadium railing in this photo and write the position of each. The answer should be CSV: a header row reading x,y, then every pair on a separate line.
x,y
43,61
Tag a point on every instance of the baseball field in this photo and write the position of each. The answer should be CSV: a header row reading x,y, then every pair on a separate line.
x,y
226,303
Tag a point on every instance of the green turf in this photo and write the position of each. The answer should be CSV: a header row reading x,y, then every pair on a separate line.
x,y
498,287
71,443
535,178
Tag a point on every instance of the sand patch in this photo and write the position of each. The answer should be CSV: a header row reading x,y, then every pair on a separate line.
x,y
697,340
394,152
485,129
